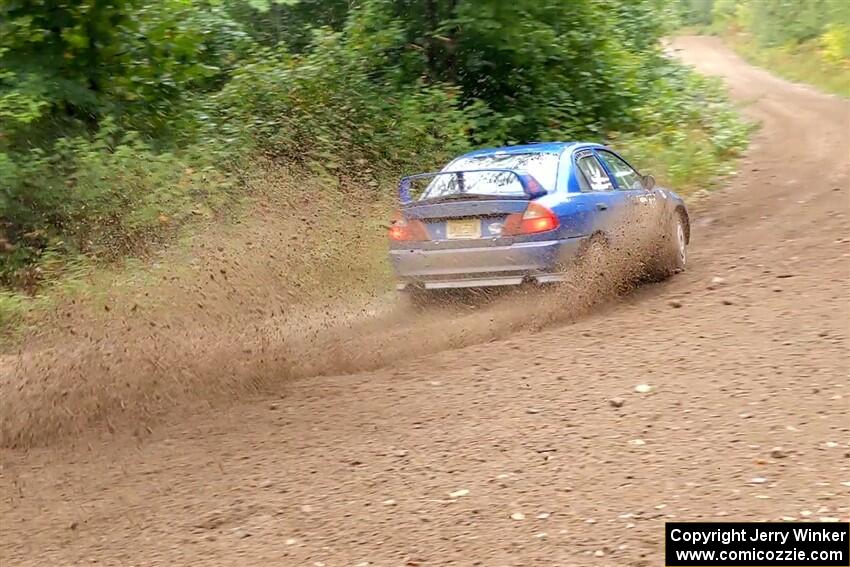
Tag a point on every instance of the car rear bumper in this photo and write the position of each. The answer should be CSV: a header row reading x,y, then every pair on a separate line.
x,y
484,266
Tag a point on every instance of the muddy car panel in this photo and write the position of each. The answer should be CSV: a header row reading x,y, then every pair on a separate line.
x,y
587,188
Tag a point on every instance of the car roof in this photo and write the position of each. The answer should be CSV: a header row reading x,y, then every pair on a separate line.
x,y
543,147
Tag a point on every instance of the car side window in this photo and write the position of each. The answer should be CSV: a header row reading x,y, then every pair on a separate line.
x,y
627,178
592,176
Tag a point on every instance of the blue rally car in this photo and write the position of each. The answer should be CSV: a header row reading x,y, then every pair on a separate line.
x,y
506,216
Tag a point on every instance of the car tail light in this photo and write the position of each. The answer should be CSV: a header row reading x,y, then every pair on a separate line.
x,y
407,230
536,218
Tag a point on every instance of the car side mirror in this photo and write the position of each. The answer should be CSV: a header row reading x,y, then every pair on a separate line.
x,y
648,182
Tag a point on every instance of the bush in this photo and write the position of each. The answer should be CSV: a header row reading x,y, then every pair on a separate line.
x,y
103,196
803,40
689,132
323,112
836,43
123,121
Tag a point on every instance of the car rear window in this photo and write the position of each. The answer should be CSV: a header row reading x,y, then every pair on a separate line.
x,y
543,166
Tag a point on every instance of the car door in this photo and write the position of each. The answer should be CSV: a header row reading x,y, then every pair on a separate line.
x,y
597,190
628,181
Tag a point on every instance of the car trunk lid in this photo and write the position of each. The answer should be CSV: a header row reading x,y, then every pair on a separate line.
x,y
464,223
464,217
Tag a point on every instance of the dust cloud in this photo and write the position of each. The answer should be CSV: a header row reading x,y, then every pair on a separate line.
x,y
297,291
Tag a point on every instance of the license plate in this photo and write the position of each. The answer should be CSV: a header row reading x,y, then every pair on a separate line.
x,y
463,228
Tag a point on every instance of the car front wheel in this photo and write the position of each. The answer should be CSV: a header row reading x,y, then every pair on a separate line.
x,y
671,255
679,252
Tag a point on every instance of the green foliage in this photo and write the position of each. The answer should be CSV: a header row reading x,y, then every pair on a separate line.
x,y
105,195
725,13
98,113
288,23
532,69
324,111
120,121
785,21
694,12
804,40
836,43
66,66
13,308
690,133
835,40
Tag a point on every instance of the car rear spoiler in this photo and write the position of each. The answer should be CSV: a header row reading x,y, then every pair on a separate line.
x,y
530,186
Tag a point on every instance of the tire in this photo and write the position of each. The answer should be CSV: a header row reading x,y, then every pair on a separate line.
x,y
593,255
672,251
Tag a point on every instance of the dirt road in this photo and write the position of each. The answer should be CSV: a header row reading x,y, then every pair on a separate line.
x,y
510,452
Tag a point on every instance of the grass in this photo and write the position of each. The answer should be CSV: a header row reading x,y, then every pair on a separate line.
x,y
309,235
333,247
276,247
803,63
684,161
83,280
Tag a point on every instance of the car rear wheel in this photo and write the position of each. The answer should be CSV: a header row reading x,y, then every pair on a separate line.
x,y
593,256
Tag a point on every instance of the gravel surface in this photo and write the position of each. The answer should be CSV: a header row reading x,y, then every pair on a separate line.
x,y
721,394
